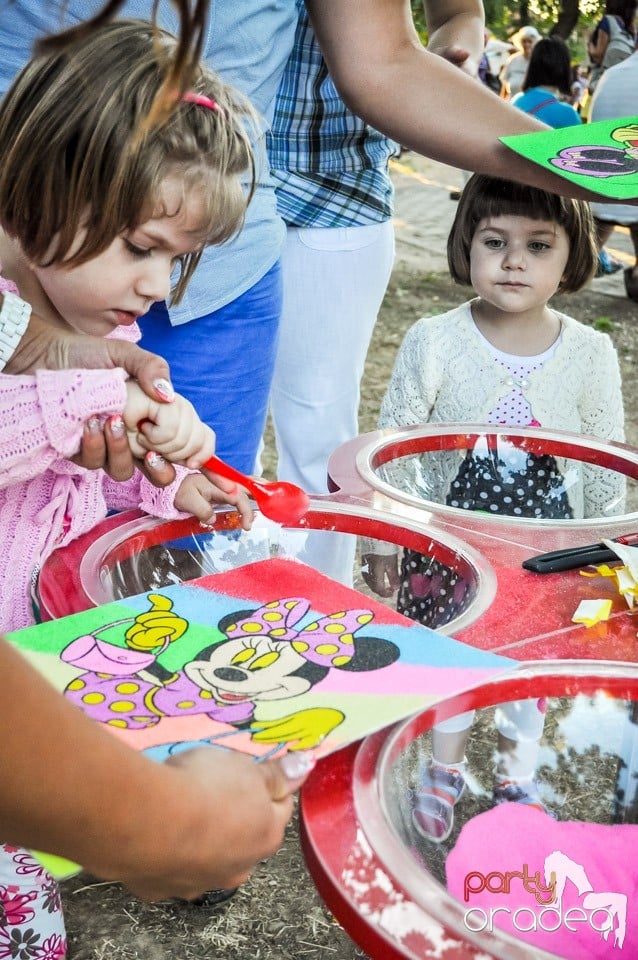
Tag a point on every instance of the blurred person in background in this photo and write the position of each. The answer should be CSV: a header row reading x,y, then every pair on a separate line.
x,y
612,40
617,96
515,69
547,87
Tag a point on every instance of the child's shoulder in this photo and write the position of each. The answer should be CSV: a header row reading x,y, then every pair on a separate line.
x,y
131,332
580,339
577,330
440,322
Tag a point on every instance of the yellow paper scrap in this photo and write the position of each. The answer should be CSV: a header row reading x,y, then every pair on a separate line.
x,y
625,577
626,585
628,555
590,612
602,571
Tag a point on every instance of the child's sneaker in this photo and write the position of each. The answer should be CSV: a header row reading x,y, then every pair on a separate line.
x,y
520,791
433,813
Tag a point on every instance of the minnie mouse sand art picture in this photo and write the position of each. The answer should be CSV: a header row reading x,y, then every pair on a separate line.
x,y
269,657
601,156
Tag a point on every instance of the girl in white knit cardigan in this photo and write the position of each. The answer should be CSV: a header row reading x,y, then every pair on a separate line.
x,y
505,357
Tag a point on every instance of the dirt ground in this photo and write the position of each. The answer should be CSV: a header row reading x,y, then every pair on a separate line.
x,y
278,915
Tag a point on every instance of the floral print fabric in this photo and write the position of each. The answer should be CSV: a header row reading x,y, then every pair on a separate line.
x,y
31,920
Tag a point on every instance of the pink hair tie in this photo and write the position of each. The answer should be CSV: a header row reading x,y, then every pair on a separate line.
x,y
200,99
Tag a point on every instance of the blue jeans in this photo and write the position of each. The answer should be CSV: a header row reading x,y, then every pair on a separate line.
x,y
223,363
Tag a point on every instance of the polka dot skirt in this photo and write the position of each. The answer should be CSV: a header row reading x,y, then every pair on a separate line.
x,y
433,593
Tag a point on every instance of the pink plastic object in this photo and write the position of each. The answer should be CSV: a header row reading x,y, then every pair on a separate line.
x,y
280,501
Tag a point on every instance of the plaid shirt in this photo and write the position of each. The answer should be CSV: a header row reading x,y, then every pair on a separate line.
x,y
330,168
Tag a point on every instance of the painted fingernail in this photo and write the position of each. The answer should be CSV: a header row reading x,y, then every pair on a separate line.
x,y
117,426
298,763
155,460
94,425
164,389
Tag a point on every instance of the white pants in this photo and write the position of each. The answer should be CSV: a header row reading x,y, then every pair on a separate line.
x,y
334,281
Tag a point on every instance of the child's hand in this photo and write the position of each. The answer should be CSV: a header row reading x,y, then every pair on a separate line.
x,y
381,573
197,495
172,429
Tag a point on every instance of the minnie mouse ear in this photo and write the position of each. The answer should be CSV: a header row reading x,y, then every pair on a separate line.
x,y
329,642
275,619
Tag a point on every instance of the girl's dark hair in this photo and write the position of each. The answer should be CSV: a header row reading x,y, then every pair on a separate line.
x,y
549,66
487,197
80,156
625,9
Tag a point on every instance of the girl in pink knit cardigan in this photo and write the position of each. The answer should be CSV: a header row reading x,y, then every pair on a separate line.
x,y
100,216
104,206
104,201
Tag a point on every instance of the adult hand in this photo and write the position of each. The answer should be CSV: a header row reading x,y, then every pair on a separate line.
x,y
45,347
203,819
242,808
456,32
105,446
459,57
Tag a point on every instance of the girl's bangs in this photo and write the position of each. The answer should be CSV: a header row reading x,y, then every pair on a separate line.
x,y
511,199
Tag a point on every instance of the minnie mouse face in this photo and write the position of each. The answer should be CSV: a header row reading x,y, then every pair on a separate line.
x,y
249,669
265,658
596,161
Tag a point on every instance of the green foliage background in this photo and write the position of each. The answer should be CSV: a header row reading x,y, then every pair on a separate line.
x,y
504,19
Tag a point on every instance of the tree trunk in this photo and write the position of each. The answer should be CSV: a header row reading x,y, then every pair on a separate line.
x,y
523,13
567,19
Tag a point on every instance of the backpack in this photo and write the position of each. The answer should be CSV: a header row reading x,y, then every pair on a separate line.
x,y
621,45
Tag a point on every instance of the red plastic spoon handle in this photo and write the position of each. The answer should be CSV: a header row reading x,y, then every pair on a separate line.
x,y
225,470
279,500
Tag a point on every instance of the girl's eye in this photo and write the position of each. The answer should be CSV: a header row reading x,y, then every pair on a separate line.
x,y
494,243
537,246
136,251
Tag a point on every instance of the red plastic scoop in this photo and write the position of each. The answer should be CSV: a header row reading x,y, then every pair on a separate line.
x,y
280,501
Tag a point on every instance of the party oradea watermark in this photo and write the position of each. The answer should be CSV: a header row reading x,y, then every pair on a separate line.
x,y
604,912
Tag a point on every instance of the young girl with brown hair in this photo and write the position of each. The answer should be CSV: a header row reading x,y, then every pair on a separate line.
x,y
112,181
102,212
505,357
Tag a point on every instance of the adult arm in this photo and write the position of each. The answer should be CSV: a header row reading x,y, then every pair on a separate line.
x,y
44,347
421,100
598,42
456,32
201,820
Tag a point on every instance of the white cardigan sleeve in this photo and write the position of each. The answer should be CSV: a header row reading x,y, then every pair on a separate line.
x,y
412,390
602,415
